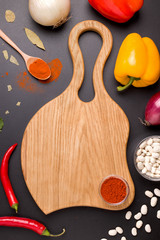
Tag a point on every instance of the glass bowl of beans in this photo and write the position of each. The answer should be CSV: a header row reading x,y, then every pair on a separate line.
x,y
114,190
147,158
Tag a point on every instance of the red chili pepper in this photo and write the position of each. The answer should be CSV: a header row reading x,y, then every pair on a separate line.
x,y
117,10
27,223
13,202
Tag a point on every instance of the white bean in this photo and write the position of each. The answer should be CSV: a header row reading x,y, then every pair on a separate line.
x,y
152,160
103,238
147,159
144,170
156,165
148,228
140,158
134,231
140,165
138,216
148,154
144,151
149,194
153,170
144,209
143,144
156,149
128,215
154,201
123,238
139,152
139,224
119,230
148,149
148,166
155,144
155,155
150,141
112,232
158,214
157,192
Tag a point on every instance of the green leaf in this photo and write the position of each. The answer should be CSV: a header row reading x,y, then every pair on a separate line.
x,y
1,124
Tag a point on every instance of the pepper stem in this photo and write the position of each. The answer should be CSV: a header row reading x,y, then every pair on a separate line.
x,y
47,233
131,80
15,207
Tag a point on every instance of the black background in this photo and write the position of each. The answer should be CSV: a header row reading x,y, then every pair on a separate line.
x,y
80,222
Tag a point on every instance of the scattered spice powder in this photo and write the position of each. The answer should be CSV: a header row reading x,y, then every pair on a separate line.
x,y
56,68
113,190
25,81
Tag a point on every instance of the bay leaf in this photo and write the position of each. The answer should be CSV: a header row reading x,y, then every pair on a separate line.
x,y
33,37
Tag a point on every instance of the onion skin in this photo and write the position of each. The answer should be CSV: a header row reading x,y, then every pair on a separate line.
x,y
152,111
49,12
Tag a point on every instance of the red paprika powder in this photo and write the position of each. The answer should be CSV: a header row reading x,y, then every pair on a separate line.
x,y
114,190
40,69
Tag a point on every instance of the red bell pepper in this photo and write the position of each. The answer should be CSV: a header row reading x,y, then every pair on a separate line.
x,y
117,10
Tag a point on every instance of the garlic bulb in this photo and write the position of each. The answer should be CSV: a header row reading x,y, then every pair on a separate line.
x,y
49,12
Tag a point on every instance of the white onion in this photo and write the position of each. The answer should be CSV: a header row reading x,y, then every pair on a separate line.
x,y
49,12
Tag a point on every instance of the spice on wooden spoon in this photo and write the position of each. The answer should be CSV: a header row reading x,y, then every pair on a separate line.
x,y
36,66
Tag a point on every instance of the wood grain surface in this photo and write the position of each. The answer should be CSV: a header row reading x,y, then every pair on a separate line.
x,y
69,146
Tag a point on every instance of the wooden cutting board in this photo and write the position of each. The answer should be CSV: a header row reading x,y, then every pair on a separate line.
x,y
69,146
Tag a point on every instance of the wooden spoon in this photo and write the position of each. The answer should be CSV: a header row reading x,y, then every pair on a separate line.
x,y
28,59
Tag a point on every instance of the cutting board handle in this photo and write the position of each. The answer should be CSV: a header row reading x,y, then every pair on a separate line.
x,y
77,57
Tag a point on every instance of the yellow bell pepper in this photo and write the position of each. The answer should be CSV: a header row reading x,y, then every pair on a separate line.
x,y
138,62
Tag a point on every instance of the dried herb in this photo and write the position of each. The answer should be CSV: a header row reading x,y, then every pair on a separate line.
x,y
10,16
18,104
1,124
33,37
5,54
6,112
9,88
13,60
